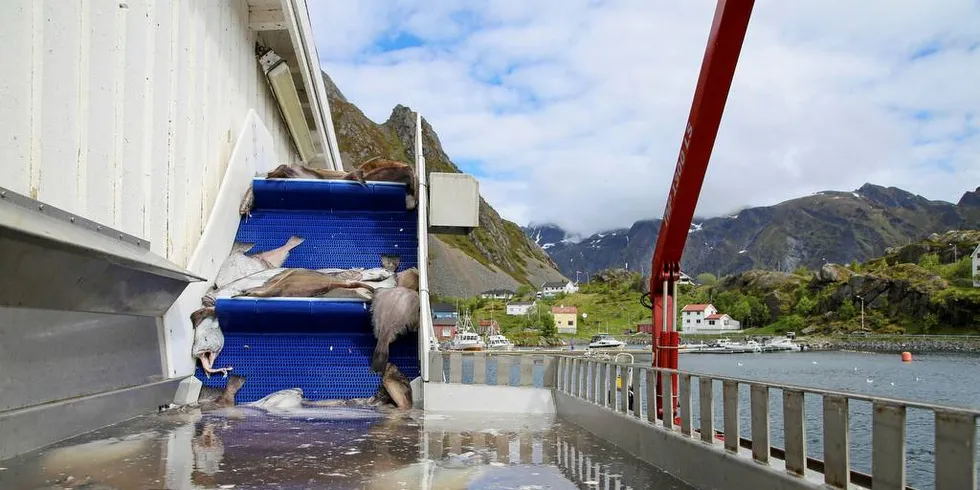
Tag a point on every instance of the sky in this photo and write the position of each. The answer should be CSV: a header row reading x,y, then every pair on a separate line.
x,y
572,111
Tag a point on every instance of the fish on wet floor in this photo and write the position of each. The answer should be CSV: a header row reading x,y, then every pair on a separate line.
x,y
238,265
456,472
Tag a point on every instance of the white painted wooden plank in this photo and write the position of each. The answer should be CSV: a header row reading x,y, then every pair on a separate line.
x,y
119,125
160,125
17,54
194,133
184,137
37,91
213,73
58,172
252,153
138,69
97,173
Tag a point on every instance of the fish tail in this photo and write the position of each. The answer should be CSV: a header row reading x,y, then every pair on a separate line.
x,y
380,357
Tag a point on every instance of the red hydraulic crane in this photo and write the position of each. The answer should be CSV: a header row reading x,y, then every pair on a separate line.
x,y
717,69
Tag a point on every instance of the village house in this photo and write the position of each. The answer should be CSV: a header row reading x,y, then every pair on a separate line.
x,y
497,294
444,310
975,269
553,288
565,318
705,318
517,308
487,327
444,328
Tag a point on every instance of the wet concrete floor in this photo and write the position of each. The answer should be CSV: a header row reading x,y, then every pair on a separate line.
x,y
334,448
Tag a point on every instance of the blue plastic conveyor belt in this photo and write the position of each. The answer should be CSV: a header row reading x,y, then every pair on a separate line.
x,y
322,346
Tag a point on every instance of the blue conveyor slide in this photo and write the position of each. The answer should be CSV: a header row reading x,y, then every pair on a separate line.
x,y
323,346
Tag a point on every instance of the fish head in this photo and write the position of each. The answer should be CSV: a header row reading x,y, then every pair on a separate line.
x,y
390,262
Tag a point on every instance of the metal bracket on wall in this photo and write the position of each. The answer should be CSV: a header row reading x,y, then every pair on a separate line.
x,y
20,200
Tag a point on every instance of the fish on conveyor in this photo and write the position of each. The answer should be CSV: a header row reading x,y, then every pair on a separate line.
x,y
290,171
300,283
393,312
379,169
208,340
238,265
378,277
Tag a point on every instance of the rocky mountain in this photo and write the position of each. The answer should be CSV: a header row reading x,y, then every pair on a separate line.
x,y
495,255
829,226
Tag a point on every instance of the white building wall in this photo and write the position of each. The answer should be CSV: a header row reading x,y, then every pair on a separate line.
x,y
975,270
125,113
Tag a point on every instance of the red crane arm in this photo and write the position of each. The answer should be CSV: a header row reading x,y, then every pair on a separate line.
x,y
717,70
724,44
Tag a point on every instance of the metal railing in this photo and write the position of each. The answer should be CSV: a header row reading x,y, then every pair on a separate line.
x,y
954,434
486,367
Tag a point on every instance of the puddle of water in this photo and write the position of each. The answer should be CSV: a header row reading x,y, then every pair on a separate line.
x,y
325,448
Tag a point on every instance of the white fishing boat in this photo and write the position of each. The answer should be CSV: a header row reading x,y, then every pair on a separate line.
x,y
499,342
605,341
466,338
784,344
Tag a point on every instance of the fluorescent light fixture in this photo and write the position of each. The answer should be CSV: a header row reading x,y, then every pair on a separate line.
x,y
281,80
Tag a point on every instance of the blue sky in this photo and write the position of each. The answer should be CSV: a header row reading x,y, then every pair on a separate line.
x,y
571,111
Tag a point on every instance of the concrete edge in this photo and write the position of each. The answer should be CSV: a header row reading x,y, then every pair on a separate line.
x,y
681,456
456,397
32,428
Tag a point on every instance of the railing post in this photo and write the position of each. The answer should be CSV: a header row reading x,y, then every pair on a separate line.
x,y
635,385
576,368
597,396
888,446
550,372
956,435
684,385
794,431
455,367
730,414
837,465
503,371
527,370
668,400
759,406
479,368
651,395
624,389
706,407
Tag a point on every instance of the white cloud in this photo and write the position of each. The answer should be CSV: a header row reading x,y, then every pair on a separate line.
x,y
583,102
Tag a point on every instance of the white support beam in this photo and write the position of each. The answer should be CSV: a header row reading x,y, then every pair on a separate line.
x,y
266,19
301,33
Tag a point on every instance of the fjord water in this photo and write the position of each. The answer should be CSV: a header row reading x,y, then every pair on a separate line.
x,y
943,379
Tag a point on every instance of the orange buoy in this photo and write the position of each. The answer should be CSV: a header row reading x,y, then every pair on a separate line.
x,y
906,356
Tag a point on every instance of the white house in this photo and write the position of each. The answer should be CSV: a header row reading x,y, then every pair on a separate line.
x,y
704,318
721,321
497,294
516,308
975,270
694,315
552,288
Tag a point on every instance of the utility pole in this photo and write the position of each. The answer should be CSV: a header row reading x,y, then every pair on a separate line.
x,y
862,311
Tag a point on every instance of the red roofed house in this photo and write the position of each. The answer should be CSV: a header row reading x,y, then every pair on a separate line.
x,y
704,318
565,318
